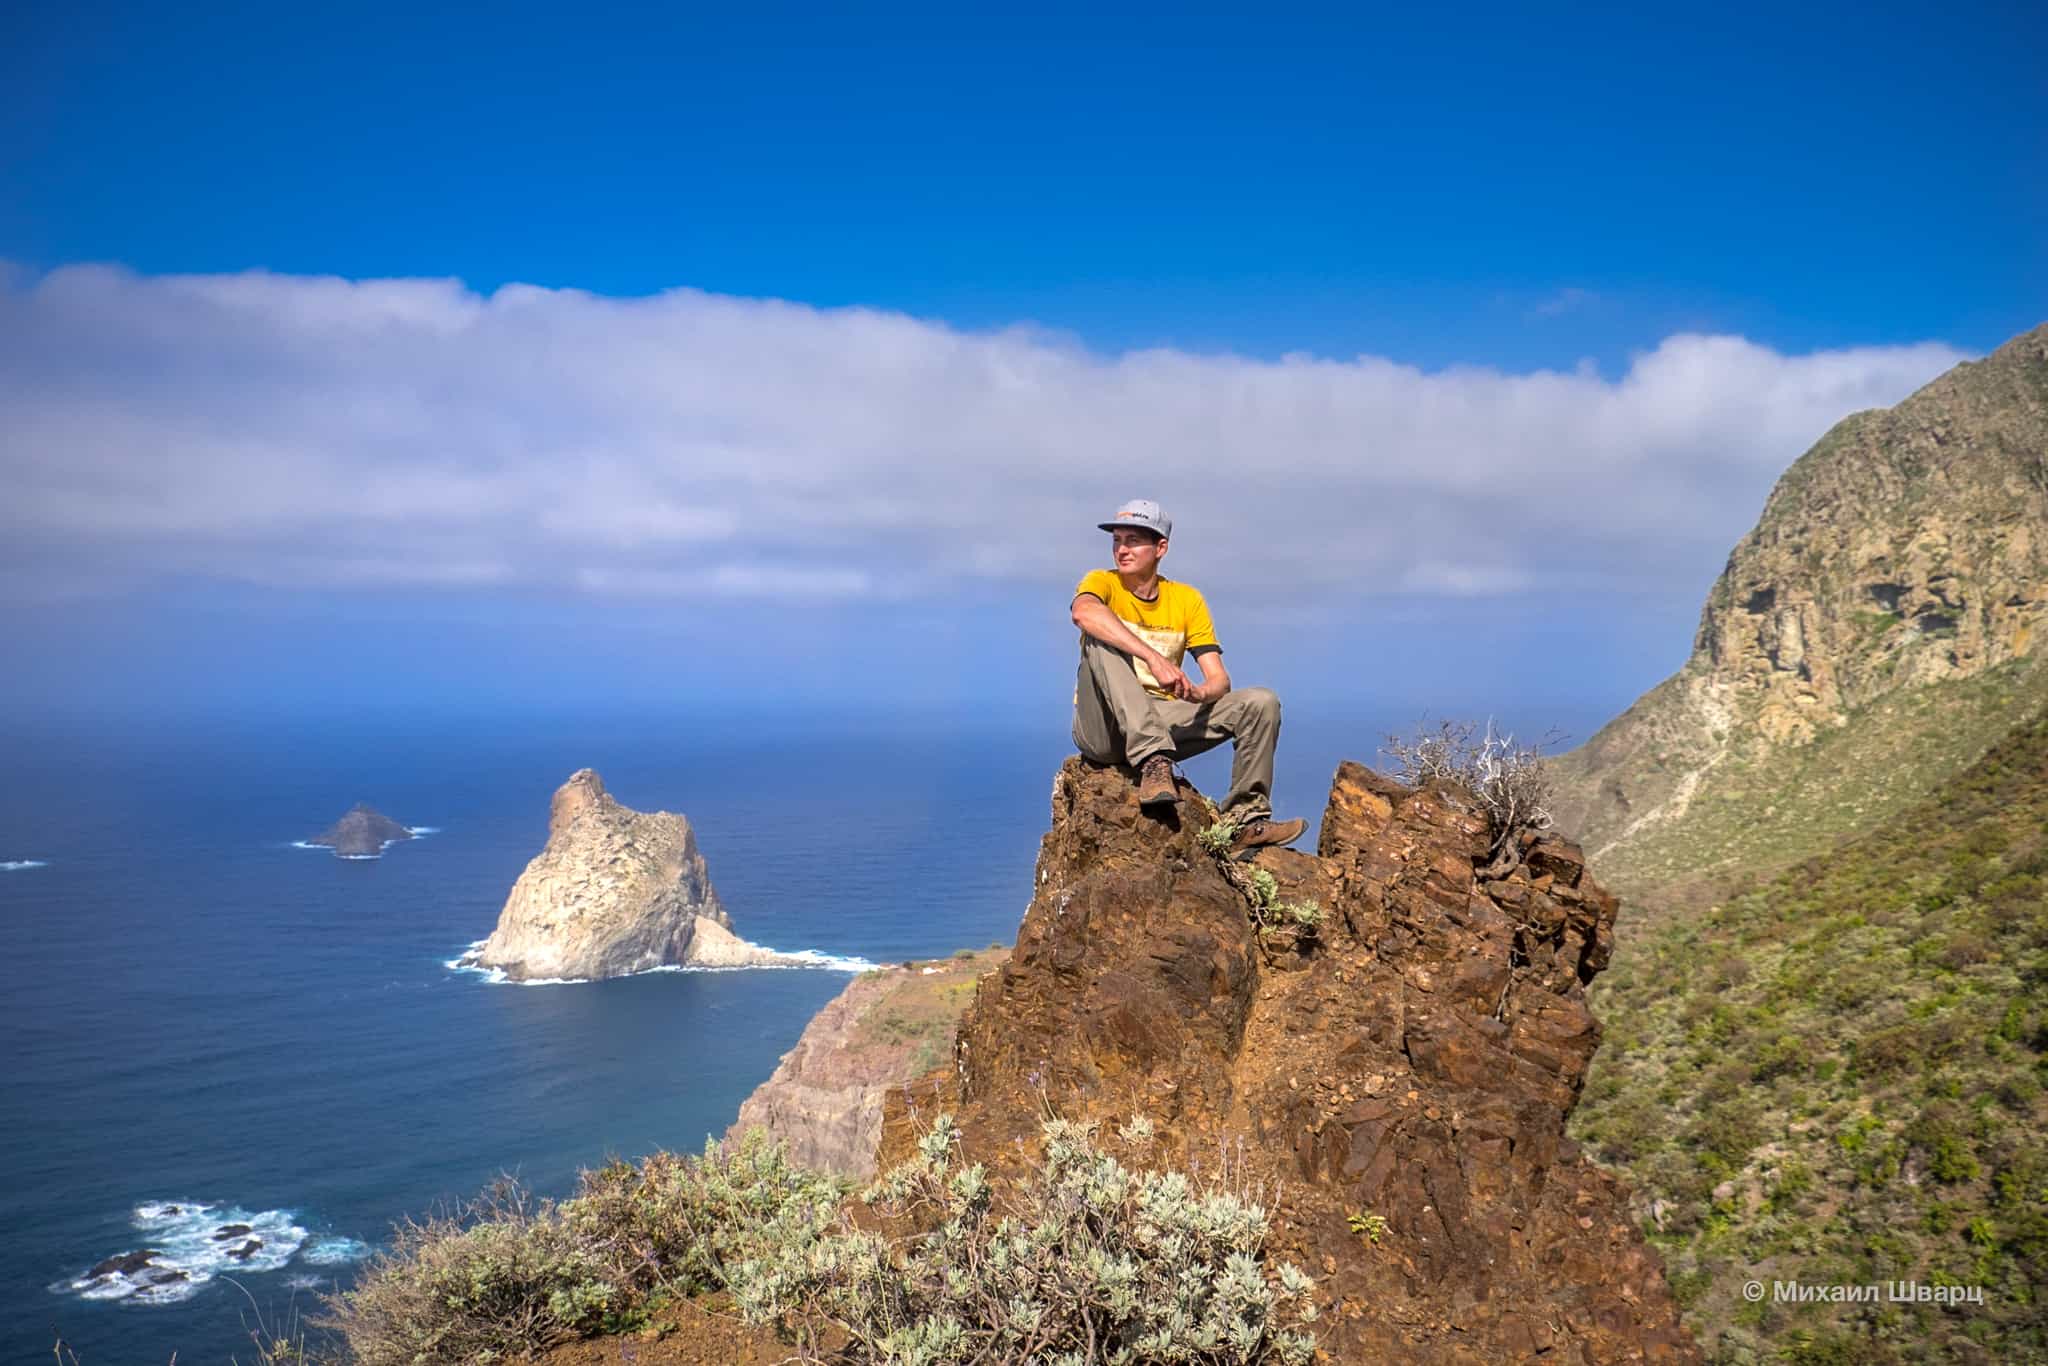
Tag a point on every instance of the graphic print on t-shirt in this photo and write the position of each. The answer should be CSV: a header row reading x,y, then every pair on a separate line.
x,y
1173,623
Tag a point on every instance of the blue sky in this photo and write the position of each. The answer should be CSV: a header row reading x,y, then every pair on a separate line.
x,y
1426,185
1489,324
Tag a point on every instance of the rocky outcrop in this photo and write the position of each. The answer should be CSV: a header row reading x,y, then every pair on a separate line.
x,y
1908,548
615,891
361,833
824,1100
125,1264
1414,1062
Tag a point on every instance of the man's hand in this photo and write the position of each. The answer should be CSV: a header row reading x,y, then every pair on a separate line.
x,y
1094,618
1172,679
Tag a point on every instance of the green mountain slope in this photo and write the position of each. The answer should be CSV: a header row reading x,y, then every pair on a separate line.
x,y
1876,631
1834,1077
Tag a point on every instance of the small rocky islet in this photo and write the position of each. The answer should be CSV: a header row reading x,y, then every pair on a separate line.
x,y
363,832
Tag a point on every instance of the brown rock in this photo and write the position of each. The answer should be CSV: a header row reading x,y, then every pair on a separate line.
x,y
1557,858
1443,1033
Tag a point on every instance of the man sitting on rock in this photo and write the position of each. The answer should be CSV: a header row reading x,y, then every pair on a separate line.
x,y
1132,703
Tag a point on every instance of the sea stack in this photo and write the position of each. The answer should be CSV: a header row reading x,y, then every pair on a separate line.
x,y
615,891
362,833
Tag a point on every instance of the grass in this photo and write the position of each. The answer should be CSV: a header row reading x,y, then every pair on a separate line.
x,y
1763,813
920,1010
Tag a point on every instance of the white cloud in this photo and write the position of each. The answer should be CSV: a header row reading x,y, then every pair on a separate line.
x,y
726,581
1564,301
1437,578
321,432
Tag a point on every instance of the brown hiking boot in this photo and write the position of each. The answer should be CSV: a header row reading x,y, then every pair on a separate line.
x,y
1155,782
1265,833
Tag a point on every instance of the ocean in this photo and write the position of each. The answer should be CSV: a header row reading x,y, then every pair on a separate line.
x,y
207,1025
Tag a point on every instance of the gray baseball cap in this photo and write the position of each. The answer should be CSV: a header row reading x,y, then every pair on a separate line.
x,y
1143,514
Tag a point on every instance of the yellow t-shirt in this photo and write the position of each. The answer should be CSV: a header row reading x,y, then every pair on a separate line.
x,y
1173,623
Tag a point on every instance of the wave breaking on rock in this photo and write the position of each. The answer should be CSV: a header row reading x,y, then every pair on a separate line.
x,y
186,1243
771,960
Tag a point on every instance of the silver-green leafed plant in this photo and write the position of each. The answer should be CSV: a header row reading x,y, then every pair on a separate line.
x,y
1095,1263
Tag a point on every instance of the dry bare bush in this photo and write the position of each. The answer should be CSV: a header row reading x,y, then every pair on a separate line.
x,y
1509,780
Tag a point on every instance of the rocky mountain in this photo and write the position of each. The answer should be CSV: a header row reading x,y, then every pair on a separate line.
x,y
1393,1084
615,891
824,1100
1875,632
361,833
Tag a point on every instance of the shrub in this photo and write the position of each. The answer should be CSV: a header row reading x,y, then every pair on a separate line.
x,y
1731,1130
1279,923
1511,781
486,1284
1779,1056
1097,1263
1369,1227
1952,1160
680,1223
500,1279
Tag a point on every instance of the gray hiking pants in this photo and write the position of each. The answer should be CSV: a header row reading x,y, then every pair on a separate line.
x,y
1117,722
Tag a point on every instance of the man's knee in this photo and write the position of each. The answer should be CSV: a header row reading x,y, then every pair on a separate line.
x,y
1264,701
1092,752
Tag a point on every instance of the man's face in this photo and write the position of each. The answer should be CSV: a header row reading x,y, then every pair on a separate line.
x,y
1135,552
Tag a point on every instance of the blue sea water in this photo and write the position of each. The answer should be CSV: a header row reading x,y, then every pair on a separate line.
x,y
205,1025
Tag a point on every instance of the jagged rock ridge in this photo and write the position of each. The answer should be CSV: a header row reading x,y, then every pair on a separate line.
x,y
1908,548
615,891
1417,1064
362,832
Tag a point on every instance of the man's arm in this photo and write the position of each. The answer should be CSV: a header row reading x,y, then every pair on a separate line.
x,y
1208,653
1215,678
1093,616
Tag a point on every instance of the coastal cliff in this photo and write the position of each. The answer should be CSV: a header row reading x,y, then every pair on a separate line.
x,y
824,1100
615,891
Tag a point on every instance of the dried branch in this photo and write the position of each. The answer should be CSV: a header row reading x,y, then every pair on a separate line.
x,y
1511,782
